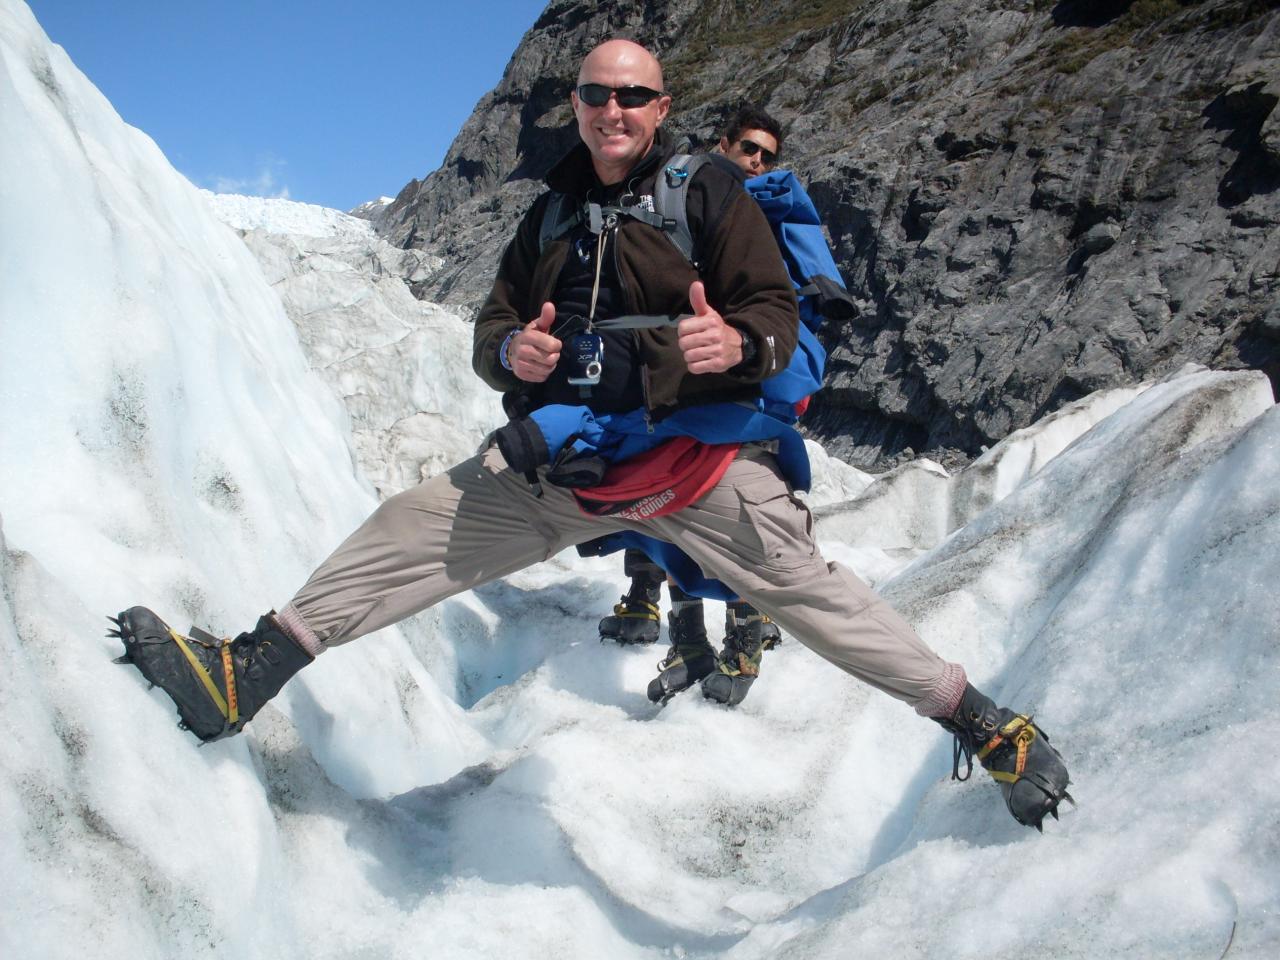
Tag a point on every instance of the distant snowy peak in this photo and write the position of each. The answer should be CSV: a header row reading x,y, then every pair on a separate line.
x,y
372,210
287,216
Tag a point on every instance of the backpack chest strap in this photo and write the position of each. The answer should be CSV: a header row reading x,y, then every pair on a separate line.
x,y
669,213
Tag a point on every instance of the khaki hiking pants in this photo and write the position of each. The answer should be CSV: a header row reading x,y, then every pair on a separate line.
x,y
480,521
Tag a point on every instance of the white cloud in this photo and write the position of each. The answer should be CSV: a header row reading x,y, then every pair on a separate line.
x,y
267,182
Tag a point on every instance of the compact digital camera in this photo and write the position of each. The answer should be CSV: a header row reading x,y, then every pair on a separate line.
x,y
586,359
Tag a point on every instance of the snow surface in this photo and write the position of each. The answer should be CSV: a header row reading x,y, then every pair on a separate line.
x,y
488,779
275,215
400,365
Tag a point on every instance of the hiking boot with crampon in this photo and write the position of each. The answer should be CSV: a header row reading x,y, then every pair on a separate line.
x,y
748,634
1016,753
633,621
637,619
691,656
217,684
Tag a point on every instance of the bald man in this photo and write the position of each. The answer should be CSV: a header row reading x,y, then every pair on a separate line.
x,y
667,407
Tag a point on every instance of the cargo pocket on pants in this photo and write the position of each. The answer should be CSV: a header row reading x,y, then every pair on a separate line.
x,y
781,521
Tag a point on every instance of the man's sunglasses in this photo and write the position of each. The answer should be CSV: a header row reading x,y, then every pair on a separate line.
x,y
597,95
750,148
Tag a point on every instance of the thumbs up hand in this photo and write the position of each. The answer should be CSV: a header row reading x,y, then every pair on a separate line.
x,y
533,352
708,343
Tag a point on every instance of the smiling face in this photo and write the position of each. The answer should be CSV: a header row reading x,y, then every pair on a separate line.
x,y
619,137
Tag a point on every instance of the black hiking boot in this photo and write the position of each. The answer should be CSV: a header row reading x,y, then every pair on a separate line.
x,y
1016,753
637,619
217,685
748,634
691,656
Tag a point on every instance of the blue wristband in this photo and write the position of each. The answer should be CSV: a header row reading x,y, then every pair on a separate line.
x,y
502,350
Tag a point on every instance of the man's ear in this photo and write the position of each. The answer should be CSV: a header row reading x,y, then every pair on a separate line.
x,y
664,105
724,144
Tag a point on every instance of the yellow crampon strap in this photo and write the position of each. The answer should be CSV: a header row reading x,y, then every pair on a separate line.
x,y
1023,732
230,707
651,613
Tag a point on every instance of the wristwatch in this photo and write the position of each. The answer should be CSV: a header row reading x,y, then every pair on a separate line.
x,y
748,348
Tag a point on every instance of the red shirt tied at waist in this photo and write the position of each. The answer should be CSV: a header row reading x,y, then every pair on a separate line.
x,y
659,481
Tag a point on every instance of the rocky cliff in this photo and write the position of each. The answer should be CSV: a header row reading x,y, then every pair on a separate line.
x,y
1033,200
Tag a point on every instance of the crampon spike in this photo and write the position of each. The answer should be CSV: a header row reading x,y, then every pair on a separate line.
x,y
116,621
1053,812
115,634
1069,798
124,660
1038,826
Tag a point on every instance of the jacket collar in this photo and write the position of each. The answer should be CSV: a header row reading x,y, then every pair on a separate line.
x,y
574,175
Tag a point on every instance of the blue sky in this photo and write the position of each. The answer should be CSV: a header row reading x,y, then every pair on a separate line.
x,y
318,100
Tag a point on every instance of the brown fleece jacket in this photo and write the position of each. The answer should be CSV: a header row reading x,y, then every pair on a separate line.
x,y
745,279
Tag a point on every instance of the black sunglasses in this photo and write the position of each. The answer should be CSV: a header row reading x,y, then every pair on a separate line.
x,y
750,148
597,95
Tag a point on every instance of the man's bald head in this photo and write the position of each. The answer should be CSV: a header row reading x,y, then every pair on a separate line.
x,y
614,55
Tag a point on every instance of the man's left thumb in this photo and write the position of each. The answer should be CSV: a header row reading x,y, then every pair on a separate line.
x,y
698,298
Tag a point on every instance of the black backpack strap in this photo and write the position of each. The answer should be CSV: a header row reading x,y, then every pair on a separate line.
x,y
559,216
834,301
523,446
648,216
640,322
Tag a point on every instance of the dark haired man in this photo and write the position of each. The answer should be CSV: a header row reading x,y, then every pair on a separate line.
x,y
656,394
753,141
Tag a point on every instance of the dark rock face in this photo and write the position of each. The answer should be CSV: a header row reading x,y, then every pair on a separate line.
x,y
1034,200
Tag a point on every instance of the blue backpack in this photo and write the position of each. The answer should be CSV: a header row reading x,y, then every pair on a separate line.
x,y
814,274
798,232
